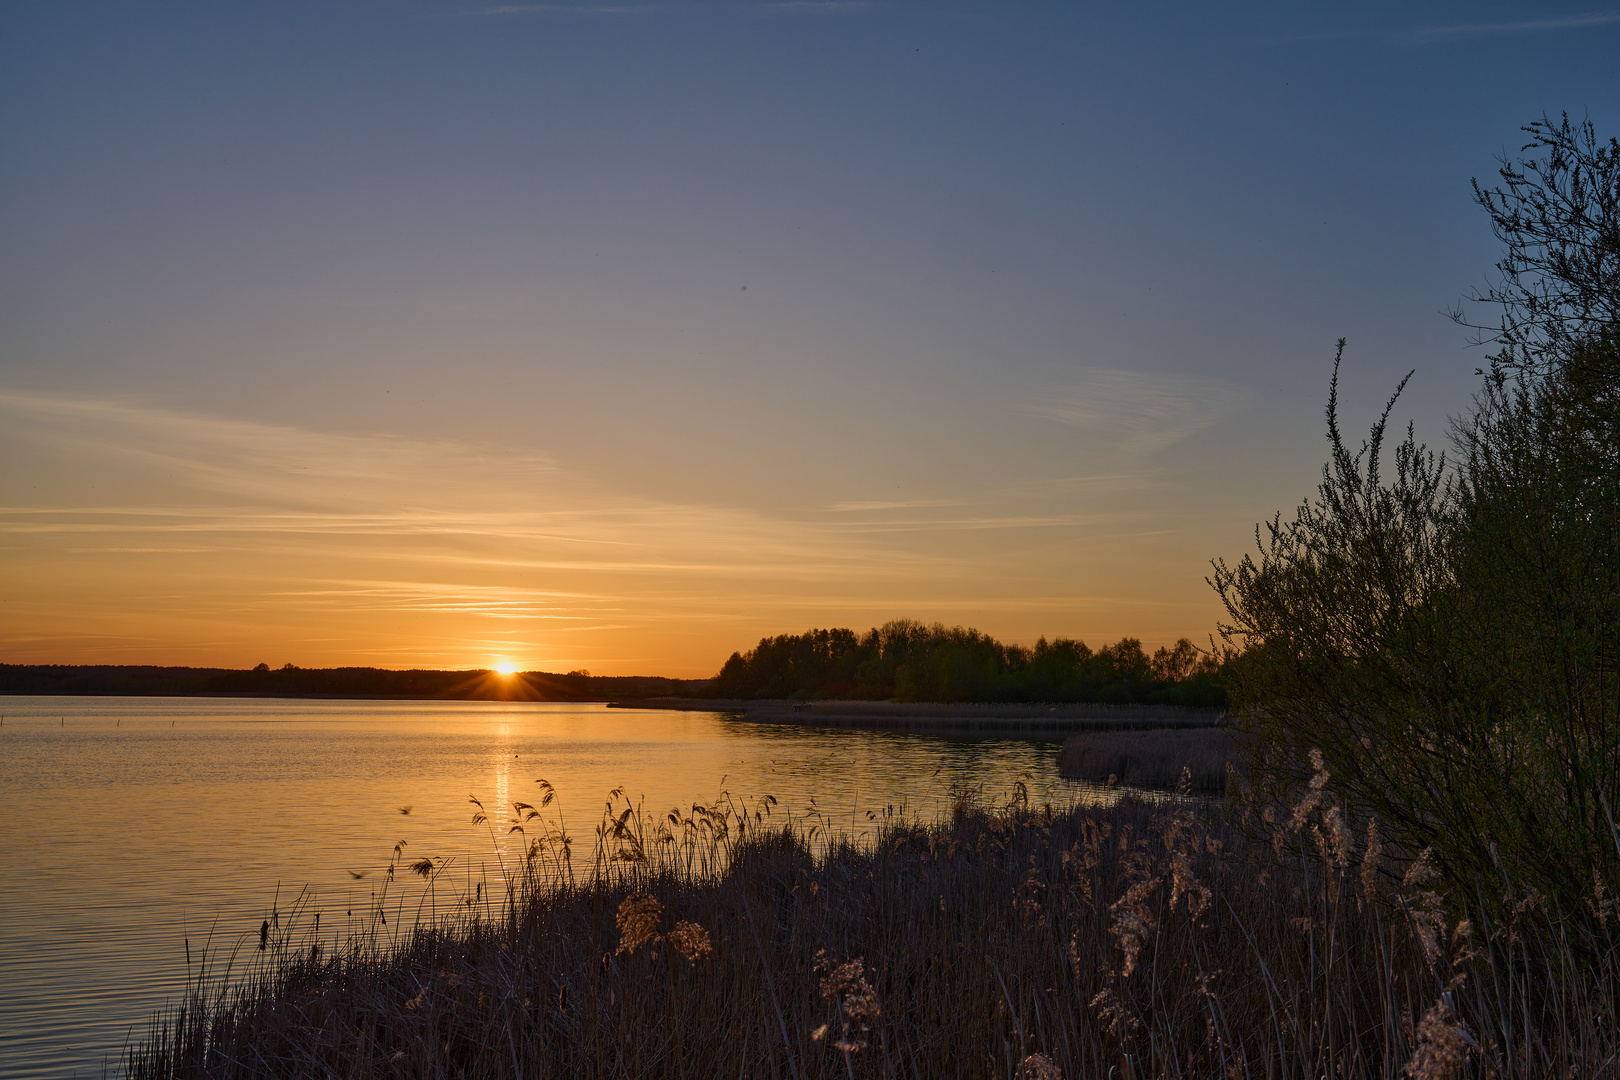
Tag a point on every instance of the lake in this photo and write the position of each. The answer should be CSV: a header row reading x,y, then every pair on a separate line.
x,y
132,826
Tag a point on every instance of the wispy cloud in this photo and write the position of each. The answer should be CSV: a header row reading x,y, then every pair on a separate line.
x,y
1513,28
1136,482
815,7
252,461
455,598
880,504
152,533
1428,35
1141,413
566,9
139,550
441,502
784,7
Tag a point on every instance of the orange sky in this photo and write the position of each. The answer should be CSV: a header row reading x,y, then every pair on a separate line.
x,y
142,535
616,336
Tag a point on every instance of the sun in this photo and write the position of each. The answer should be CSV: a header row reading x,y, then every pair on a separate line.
x,y
506,668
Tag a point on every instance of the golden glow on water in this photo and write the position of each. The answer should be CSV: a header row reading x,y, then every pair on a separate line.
x,y
213,804
503,772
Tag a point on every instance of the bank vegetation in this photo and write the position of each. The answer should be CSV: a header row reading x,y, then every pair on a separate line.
x,y
1414,875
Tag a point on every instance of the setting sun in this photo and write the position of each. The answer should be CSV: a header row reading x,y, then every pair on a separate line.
x,y
878,459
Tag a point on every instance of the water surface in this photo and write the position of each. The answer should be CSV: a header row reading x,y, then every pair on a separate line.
x,y
129,826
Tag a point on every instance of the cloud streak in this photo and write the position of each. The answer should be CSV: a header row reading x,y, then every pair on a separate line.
x,y
138,530
1140,414
784,7
566,9
816,7
1563,24
1414,37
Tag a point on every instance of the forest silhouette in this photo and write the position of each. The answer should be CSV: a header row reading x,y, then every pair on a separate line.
x,y
904,660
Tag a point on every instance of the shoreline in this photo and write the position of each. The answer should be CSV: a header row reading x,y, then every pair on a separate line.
x,y
939,717
728,945
1153,760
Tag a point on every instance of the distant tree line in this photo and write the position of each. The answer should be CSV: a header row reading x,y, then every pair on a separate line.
x,y
905,660
352,682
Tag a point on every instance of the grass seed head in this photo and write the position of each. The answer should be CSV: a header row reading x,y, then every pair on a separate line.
x,y
690,940
638,919
1442,1046
844,982
1369,863
1039,1067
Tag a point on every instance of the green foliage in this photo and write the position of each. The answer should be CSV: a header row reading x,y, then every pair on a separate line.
x,y
1557,214
1447,636
1536,558
1340,619
905,660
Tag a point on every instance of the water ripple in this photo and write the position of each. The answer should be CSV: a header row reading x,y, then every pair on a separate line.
x,y
135,827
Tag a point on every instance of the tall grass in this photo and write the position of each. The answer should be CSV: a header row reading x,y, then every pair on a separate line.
x,y
1141,939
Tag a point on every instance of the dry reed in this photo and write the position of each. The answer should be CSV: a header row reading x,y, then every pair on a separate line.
x,y
1167,940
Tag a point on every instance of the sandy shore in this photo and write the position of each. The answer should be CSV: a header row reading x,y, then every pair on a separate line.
x,y
932,716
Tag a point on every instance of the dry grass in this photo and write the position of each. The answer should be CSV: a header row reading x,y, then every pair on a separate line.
x,y
1134,941
1152,759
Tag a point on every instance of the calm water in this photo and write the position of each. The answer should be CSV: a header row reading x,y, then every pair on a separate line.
x,y
129,824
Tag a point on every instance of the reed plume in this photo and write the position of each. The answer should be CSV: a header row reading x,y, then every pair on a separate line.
x,y
1173,939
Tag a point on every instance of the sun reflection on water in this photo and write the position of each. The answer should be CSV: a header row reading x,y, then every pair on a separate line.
x,y
215,801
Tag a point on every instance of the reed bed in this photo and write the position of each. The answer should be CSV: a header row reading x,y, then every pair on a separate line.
x,y
1167,939
1152,759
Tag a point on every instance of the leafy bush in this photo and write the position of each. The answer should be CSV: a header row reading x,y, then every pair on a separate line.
x,y
1447,637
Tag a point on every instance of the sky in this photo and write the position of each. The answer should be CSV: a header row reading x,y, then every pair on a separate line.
x,y
615,336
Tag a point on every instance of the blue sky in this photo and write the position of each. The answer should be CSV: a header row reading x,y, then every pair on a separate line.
x,y
807,313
